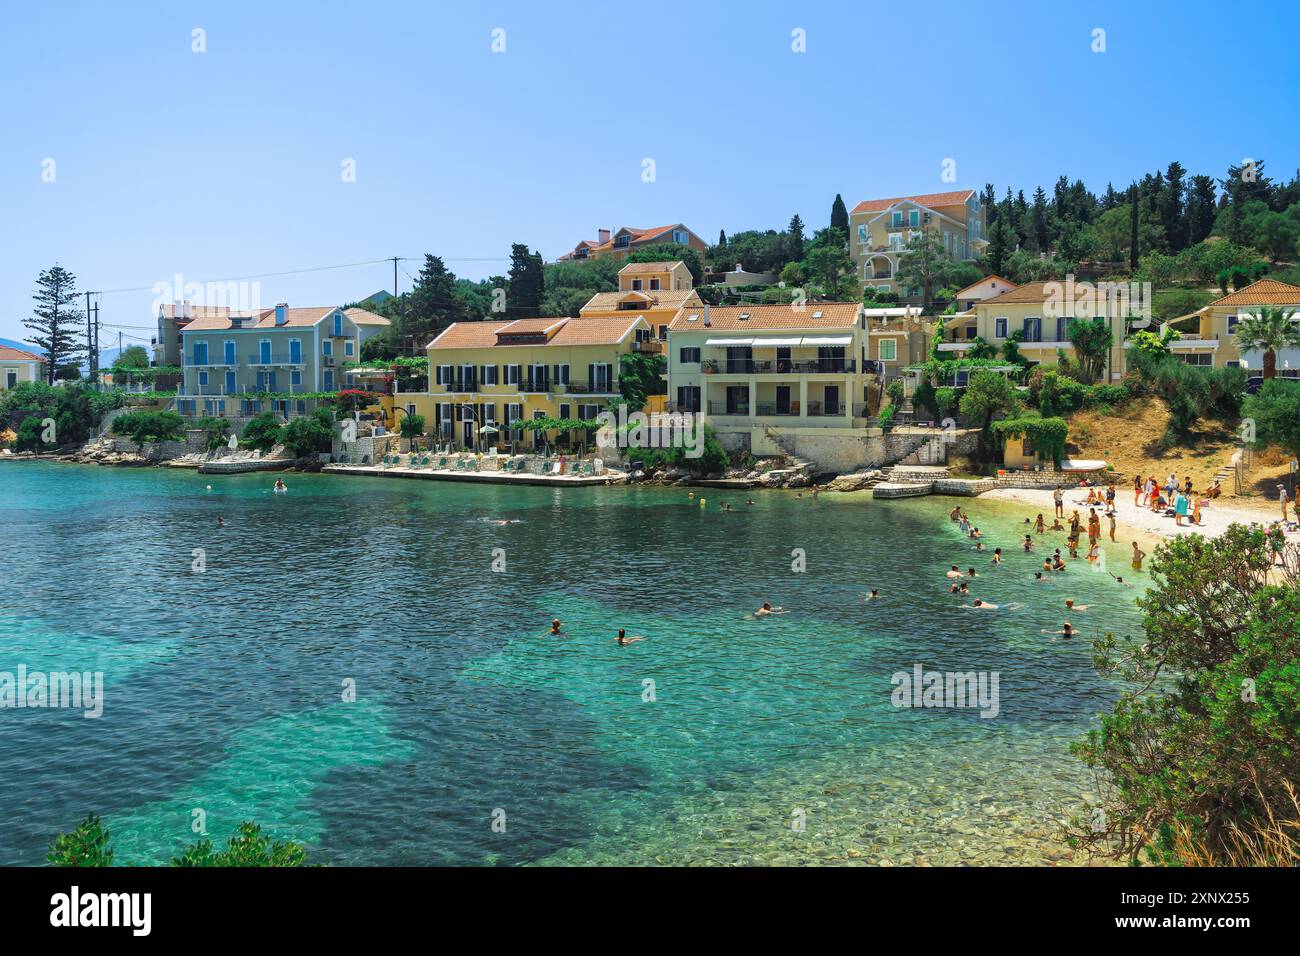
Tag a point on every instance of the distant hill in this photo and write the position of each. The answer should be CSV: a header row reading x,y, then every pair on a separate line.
x,y
106,356
15,344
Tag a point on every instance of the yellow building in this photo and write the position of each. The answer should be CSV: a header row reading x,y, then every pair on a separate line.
x,y
487,375
655,290
17,366
880,229
1041,312
1209,335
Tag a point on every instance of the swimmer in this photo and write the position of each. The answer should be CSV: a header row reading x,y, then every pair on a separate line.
x,y
1047,564
1038,525
970,572
555,627
765,610
623,640
750,501
221,522
955,514
1028,543
979,546
207,487
982,605
1070,605
965,588
997,557
954,573
874,595
976,533
1067,631
280,486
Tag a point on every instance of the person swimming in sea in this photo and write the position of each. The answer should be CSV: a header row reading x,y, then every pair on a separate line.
x,y
1071,606
997,557
970,572
874,595
954,573
981,605
280,486
979,546
221,522
767,610
1038,576
1028,543
623,640
1067,632
555,628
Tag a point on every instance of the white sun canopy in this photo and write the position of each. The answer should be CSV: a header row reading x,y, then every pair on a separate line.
x,y
769,342
749,341
827,340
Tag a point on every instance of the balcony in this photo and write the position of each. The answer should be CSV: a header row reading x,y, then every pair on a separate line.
x,y
277,358
598,387
458,387
648,347
816,409
534,386
831,366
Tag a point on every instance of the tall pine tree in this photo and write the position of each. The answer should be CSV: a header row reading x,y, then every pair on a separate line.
x,y
58,326
794,239
526,282
840,215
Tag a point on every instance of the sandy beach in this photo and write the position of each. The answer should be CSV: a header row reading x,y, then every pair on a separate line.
x,y
1215,517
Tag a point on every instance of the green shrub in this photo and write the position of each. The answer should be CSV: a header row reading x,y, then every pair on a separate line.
x,y
216,428
88,846
263,432
29,435
149,426
309,434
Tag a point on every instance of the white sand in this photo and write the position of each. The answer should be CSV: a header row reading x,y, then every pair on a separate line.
x,y
1215,517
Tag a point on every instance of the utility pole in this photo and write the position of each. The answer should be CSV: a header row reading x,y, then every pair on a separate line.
x,y
90,342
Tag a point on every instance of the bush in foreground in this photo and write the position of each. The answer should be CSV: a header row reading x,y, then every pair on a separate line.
x,y
88,845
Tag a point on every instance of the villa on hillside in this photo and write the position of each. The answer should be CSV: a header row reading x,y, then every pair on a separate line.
x,y
1040,312
879,230
629,238
19,365
484,376
657,290
1209,334
282,350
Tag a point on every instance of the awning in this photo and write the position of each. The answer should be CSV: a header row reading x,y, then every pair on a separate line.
x,y
729,341
827,340
768,343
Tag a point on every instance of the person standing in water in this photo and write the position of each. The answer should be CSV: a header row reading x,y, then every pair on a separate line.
x,y
1138,555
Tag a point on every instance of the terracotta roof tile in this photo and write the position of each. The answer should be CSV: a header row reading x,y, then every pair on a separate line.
x,y
17,355
925,199
1011,286
608,330
1262,292
659,299
365,317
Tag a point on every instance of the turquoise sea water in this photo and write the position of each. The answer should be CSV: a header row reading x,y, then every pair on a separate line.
x,y
707,743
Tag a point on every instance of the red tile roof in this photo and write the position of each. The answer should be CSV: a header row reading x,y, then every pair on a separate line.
x,y
925,199
1262,292
17,355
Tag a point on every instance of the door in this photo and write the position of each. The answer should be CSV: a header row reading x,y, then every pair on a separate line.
x,y
739,358
830,358
737,399
230,383
783,399
783,359
831,400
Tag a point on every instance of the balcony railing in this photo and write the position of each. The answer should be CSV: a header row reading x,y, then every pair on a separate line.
x,y
785,366
648,346
819,409
275,358
598,387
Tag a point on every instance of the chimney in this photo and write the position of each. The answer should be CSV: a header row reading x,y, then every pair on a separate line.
x,y
706,313
281,313
603,236
182,309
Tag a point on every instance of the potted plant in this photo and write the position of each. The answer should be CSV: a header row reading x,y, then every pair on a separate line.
x,y
709,366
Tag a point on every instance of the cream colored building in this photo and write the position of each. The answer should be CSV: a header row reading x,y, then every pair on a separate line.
x,y
1042,313
880,229
18,366
1209,335
655,290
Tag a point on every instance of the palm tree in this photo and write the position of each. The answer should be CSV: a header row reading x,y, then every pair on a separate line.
x,y
1271,329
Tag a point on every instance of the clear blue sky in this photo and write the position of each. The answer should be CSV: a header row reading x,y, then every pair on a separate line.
x,y
227,163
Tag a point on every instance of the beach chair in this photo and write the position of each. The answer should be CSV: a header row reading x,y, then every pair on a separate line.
x,y
442,462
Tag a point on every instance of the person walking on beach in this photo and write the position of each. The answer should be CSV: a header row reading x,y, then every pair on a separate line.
x,y
1282,499
1058,499
1112,527
1137,490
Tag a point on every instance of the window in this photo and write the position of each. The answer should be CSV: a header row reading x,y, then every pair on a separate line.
x,y
443,375
230,383
689,356
295,377
1000,327
200,353
295,350
264,352
329,380
862,233
914,217
228,353
888,350
663,333
636,285
565,408
897,218
347,347
338,324
1232,324
562,376
489,375
654,285
688,398
203,378
1033,327
327,347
